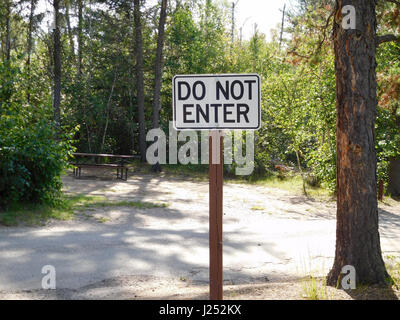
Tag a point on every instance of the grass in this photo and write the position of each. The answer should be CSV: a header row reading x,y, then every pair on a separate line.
x,y
257,208
34,214
292,183
195,171
39,214
289,182
313,280
393,268
314,288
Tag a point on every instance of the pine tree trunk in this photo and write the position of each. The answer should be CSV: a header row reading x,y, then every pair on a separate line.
x,y
108,112
57,65
8,30
80,36
69,30
357,235
139,80
158,71
82,93
29,49
158,65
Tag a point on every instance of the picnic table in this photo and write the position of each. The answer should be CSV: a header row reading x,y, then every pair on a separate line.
x,y
120,161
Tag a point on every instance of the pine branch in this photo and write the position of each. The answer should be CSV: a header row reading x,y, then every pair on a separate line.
x,y
394,1
386,38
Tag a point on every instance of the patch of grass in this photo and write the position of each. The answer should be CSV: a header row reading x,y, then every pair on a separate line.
x,y
314,288
35,214
290,182
82,202
257,208
103,220
196,172
39,214
313,280
131,204
393,268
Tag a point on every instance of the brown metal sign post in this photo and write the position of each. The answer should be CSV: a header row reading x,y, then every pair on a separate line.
x,y
216,212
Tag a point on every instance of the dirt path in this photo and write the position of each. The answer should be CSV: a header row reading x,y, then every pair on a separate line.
x,y
271,239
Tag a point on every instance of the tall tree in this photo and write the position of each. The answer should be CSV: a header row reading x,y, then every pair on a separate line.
x,y
30,44
159,64
8,29
140,79
57,64
158,70
357,235
80,37
69,29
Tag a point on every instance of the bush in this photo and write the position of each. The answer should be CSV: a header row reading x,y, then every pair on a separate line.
x,y
31,160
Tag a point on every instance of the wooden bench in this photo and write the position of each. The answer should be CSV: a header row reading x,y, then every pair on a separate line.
x,y
122,171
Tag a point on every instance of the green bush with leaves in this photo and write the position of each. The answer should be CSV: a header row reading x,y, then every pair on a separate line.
x,y
31,160
31,157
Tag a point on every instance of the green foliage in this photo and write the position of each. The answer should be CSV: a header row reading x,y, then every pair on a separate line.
x,y
388,115
388,140
31,159
298,88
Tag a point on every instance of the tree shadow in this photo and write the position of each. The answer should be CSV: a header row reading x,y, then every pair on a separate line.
x,y
90,252
396,198
373,293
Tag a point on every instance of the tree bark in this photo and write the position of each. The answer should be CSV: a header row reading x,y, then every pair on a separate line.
x,y
29,49
108,112
139,80
357,235
158,71
57,65
80,35
159,64
8,30
69,30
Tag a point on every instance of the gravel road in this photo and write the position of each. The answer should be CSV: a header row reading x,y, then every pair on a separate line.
x,y
270,235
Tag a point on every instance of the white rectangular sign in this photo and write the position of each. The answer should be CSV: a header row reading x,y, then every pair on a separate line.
x,y
226,101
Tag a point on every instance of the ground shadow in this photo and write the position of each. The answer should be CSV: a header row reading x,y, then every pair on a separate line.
x,y
373,293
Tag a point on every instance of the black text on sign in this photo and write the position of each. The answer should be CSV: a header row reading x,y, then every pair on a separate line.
x,y
205,102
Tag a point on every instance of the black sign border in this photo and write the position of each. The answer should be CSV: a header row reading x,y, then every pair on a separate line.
x,y
216,76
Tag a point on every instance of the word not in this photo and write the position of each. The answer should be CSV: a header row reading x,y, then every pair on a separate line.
x,y
236,89
49,280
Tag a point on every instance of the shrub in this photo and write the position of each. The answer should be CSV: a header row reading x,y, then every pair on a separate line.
x,y
31,160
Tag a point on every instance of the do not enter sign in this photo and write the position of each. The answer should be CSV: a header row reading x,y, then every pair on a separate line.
x,y
216,102
206,102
